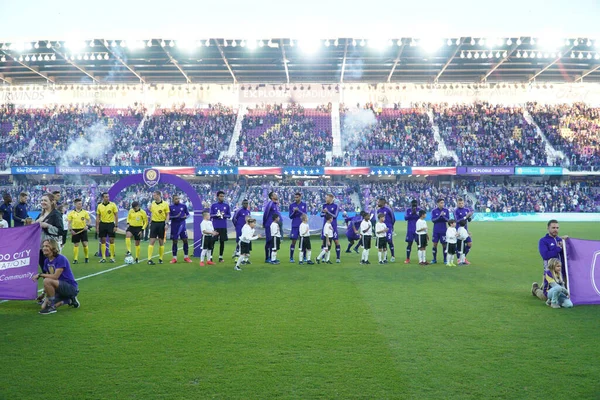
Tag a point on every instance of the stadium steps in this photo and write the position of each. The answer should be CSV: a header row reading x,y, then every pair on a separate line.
x,y
336,130
553,154
442,151
232,149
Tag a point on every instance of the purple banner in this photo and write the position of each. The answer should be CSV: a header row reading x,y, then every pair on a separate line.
x,y
78,170
19,256
583,270
485,170
105,170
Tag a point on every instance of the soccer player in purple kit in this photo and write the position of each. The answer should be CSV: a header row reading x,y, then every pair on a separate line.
x,y
463,213
330,208
239,220
271,209
220,212
353,231
178,217
411,216
390,220
440,217
297,208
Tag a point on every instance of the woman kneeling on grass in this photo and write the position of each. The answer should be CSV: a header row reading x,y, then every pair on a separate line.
x,y
60,285
554,286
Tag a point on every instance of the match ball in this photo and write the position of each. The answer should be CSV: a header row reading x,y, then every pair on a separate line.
x,y
129,260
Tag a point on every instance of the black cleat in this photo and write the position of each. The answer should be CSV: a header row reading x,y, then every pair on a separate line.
x,y
103,261
74,261
150,262
160,261
87,260
74,302
48,310
137,261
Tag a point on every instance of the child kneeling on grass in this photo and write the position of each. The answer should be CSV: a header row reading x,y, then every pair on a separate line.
x,y
554,286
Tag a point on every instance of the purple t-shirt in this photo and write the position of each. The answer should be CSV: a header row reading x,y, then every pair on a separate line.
x,y
60,262
412,218
295,213
333,210
460,214
239,219
223,208
178,213
390,218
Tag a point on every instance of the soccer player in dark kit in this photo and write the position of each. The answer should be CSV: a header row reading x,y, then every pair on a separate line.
x,y
390,220
220,212
297,209
462,213
271,209
411,216
178,214
440,217
332,209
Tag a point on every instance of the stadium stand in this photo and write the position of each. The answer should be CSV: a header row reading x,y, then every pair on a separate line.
x,y
573,129
483,134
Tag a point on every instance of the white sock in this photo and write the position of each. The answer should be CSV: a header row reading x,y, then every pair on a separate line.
x,y
379,256
308,254
320,256
385,255
421,256
209,254
202,255
273,255
327,255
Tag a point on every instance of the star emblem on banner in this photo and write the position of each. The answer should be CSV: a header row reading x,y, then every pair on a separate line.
x,y
231,170
219,172
285,173
293,172
126,172
403,171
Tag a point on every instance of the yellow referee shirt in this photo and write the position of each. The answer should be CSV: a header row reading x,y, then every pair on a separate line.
x,y
78,219
137,219
107,212
159,211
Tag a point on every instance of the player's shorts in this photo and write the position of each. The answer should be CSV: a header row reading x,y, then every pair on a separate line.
x,y
439,237
324,244
451,248
351,235
179,231
238,234
389,235
245,248
222,234
366,242
208,242
106,229
157,230
305,243
468,240
382,243
335,234
80,237
136,232
422,240
276,243
411,237
65,291
295,233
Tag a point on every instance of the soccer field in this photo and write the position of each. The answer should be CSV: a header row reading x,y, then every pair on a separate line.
x,y
310,331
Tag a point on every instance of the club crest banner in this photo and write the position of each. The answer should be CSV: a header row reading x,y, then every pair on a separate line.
x,y
19,256
151,177
583,270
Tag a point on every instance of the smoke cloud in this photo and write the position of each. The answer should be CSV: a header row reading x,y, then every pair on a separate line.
x,y
95,141
356,123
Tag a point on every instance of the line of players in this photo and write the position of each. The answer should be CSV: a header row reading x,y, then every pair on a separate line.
x,y
214,228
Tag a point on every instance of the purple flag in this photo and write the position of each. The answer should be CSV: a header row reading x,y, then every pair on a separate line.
x,y
583,270
19,256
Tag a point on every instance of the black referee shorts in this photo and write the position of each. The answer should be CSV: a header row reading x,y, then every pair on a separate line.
x,y
157,230
106,229
80,237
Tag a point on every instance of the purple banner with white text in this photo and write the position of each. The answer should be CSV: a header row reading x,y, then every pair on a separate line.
x,y
583,270
19,256
485,170
84,170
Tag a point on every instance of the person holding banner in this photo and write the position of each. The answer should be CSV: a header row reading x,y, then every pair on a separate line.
x,y
60,285
78,221
51,222
550,246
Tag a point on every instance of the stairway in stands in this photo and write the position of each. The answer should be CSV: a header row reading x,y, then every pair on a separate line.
x,y
232,149
442,151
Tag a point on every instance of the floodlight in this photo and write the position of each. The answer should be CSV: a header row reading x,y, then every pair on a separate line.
x,y
162,43
48,44
53,57
430,45
149,43
171,43
362,43
233,43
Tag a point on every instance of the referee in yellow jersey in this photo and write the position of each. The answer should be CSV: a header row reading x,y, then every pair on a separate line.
x,y
137,220
159,210
79,219
107,220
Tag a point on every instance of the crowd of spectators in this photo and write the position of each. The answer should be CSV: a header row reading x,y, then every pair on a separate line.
x,y
573,129
388,136
283,136
68,135
483,134
182,137
546,197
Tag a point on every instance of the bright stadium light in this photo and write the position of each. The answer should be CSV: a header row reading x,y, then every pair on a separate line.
x,y
93,57
149,43
48,44
519,42
462,54
430,45
188,45
597,56
172,43
20,58
3,59
399,42
162,43
457,42
588,43
309,45
589,56
572,54
525,54
92,44
46,58
123,43
575,42
362,43
378,44
233,43
27,58
505,54
532,41
567,42
472,42
469,55
106,56
113,44
449,42
252,44
75,45
481,42
476,55
580,56
53,57
261,43
36,45
509,42
327,44
336,43
243,43
518,54
354,42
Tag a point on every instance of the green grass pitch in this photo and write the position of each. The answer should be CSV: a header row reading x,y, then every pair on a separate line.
x,y
336,331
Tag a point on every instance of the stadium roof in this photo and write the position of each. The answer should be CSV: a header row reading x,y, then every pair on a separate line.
x,y
227,61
